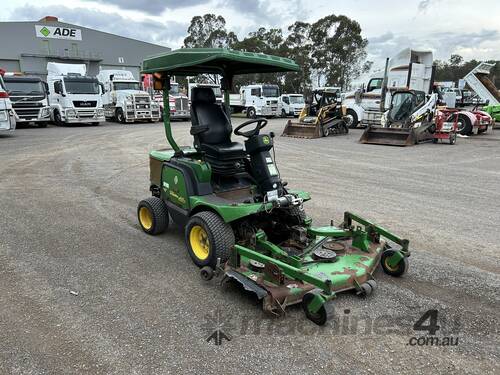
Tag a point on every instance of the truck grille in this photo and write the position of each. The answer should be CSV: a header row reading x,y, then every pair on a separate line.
x,y
181,104
25,104
142,99
85,103
86,114
27,113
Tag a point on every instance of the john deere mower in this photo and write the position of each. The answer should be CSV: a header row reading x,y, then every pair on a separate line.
x,y
408,121
241,220
323,116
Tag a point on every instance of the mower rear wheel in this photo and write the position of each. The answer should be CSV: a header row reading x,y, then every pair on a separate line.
x,y
397,270
153,215
321,316
208,238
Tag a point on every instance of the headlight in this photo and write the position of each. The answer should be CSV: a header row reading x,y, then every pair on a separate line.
x,y
3,115
100,112
70,113
129,97
45,112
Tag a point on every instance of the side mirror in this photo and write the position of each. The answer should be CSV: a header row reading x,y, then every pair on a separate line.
x,y
46,87
161,82
101,85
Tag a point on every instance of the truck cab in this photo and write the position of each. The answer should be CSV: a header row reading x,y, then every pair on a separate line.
x,y
291,104
214,86
74,97
178,102
124,99
29,97
7,119
257,100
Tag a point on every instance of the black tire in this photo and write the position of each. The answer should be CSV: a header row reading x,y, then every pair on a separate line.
x,y
399,269
344,127
120,117
152,214
464,125
207,273
57,118
435,140
95,124
366,290
352,113
321,316
251,113
42,124
283,113
215,239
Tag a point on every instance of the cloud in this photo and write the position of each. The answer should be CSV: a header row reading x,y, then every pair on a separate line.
x,y
442,43
153,7
146,29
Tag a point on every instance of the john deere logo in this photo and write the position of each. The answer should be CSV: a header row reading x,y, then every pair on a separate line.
x,y
265,140
44,31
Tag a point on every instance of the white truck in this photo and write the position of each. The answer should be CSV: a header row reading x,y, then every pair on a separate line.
x,y
7,119
409,68
256,100
215,88
123,98
291,104
74,97
29,96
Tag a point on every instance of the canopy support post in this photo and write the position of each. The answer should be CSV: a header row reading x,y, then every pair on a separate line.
x,y
166,114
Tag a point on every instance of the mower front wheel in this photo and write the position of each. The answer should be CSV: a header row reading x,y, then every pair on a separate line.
x,y
153,215
208,238
393,270
319,317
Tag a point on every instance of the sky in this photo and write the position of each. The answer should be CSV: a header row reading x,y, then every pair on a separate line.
x,y
468,28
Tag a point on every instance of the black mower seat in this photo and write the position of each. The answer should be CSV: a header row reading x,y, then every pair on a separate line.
x,y
211,126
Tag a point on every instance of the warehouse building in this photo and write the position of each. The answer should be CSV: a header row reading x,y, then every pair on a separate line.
x,y
28,46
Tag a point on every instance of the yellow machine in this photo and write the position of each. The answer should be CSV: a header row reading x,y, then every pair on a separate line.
x,y
324,116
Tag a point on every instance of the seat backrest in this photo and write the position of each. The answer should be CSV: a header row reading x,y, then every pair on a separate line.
x,y
206,112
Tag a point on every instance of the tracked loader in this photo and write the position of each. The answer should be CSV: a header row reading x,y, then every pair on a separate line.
x,y
323,116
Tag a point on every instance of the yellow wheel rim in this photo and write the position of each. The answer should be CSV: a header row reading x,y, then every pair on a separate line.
x,y
198,239
388,266
145,218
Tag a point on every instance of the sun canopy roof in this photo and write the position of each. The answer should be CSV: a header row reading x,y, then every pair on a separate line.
x,y
193,61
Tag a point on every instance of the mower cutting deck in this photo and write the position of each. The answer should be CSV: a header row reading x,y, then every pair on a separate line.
x,y
241,221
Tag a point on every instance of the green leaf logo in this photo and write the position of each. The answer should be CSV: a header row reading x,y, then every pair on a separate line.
x,y
44,31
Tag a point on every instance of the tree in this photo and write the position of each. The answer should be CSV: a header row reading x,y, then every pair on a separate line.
x,y
209,31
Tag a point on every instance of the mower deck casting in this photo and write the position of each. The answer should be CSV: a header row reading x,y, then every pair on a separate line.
x,y
241,220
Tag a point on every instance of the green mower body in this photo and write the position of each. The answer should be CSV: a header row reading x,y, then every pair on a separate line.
x,y
240,219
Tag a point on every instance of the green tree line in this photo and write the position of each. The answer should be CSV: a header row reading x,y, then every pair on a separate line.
x,y
330,50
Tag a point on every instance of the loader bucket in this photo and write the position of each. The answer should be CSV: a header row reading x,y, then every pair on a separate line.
x,y
389,136
302,130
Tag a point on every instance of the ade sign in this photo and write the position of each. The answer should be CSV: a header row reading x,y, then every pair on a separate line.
x,y
58,32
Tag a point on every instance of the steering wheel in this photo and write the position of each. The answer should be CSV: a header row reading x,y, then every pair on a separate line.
x,y
261,122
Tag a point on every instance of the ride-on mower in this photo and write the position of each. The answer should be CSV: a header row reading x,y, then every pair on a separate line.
x,y
323,116
241,221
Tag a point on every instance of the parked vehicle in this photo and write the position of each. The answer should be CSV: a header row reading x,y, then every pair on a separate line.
x,y
256,100
124,100
409,68
7,119
215,88
30,98
74,97
178,103
291,104
486,91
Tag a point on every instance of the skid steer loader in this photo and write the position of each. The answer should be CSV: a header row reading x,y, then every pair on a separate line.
x,y
323,116
408,121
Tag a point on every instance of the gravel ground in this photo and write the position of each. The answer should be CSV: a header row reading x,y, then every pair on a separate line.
x,y
68,201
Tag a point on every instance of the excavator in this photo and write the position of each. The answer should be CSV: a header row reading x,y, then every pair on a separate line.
x,y
323,116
